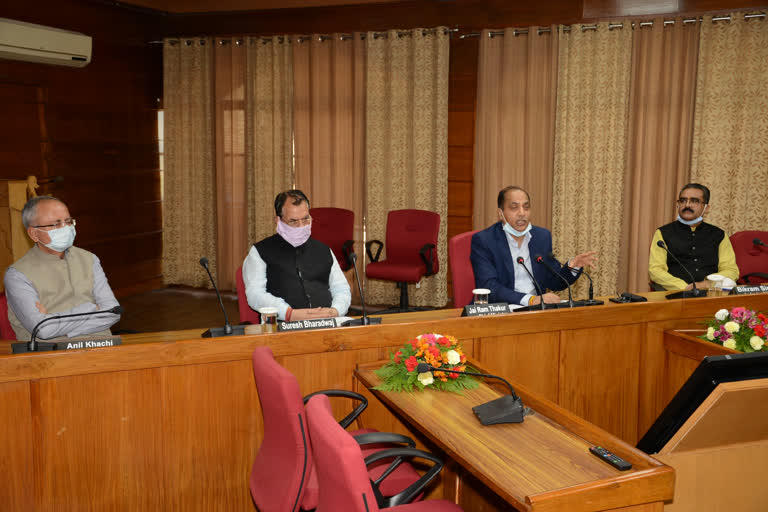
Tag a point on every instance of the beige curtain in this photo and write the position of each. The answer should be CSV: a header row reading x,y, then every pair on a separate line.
x,y
660,136
189,206
590,147
268,125
329,122
517,79
407,144
730,145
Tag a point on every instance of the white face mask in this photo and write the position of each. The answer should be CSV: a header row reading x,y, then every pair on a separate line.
x,y
694,221
61,238
512,231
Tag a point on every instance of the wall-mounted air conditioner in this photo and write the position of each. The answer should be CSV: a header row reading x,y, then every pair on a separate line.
x,y
46,45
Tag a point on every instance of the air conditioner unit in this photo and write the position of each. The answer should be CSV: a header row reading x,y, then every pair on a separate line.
x,y
46,45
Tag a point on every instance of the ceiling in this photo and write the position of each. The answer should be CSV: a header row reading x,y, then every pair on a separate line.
x,y
198,6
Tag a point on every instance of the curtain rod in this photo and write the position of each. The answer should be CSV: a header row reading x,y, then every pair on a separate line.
x,y
611,26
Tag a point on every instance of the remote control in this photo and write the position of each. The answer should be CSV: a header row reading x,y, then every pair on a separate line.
x,y
610,458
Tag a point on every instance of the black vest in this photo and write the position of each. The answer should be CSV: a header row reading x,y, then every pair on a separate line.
x,y
298,275
697,250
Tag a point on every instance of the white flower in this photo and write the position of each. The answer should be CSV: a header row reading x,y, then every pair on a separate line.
x,y
711,333
426,378
756,342
722,314
453,357
729,343
731,327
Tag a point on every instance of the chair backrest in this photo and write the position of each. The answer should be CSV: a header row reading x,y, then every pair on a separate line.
x,y
751,258
333,227
283,464
462,275
6,331
407,232
341,473
246,313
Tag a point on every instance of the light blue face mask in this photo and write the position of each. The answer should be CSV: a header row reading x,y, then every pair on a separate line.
x,y
694,221
512,231
61,238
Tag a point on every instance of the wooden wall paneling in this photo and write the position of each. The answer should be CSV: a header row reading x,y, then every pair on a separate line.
x,y
212,426
22,132
16,447
117,458
460,163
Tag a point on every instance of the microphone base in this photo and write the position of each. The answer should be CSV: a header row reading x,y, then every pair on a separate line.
x,y
687,294
506,409
217,332
362,321
589,302
22,347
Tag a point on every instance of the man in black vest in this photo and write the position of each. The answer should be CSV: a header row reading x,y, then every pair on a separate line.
x,y
702,248
291,271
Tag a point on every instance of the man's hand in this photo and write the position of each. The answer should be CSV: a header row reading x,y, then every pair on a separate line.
x,y
310,313
588,259
41,308
701,285
549,298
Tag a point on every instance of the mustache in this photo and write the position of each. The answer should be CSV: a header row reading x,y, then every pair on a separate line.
x,y
687,210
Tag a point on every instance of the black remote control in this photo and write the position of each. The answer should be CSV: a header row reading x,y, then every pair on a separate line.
x,y
610,458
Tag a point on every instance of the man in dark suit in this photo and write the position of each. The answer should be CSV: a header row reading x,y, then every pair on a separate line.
x,y
495,251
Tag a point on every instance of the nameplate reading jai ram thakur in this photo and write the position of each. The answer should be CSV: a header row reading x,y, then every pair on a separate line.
x,y
300,325
497,308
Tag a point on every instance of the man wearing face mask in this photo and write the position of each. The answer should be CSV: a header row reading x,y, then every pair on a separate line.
x,y
702,248
55,278
496,249
292,272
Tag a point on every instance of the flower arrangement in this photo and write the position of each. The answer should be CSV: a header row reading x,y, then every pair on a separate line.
x,y
400,373
739,329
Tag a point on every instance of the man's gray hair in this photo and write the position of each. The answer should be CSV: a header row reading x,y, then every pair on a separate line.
x,y
29,212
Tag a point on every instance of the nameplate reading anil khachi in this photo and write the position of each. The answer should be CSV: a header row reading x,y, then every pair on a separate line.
x,y
301,325
100,342
496,308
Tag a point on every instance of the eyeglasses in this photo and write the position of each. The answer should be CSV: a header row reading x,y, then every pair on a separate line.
x,y
59,224
695,201
295,223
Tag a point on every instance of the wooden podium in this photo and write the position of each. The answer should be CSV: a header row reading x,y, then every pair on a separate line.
x,y
14,241
720,454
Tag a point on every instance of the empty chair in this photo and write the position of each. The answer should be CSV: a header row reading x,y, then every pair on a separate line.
x,y
6,330
247,315
751,257
462,275
411,251
335,227
342,476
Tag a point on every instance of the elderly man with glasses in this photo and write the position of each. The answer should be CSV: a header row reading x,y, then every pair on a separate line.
x,y
55,278
292,272
702,248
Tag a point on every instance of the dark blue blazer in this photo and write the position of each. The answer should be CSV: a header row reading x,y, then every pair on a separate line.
x,y
494,268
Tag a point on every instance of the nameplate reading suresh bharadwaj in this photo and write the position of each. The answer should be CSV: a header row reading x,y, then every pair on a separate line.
x,y
300,325
100,342
496,308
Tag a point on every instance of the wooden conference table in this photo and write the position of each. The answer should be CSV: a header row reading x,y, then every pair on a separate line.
x,y
172,421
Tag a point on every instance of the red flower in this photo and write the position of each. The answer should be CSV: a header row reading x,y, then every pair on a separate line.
x,y
762,318
760,331
444,341
397,356
453,375
411,363
434,351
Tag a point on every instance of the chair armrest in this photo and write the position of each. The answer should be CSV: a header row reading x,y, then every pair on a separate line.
x,y
384,437
346,249
368,246
427,256
349,418
413,490
746,277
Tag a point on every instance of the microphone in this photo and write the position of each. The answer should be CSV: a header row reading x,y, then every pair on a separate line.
x,y
540,293
507,409
685,293
591,300
540,259
227,330
757,241
365,320
33,346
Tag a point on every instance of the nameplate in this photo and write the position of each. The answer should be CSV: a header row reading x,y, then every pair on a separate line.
x,y
747,289
100,342
301,325
496,308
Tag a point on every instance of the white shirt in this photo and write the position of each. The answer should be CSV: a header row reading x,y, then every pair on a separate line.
x,y
255,279
523,282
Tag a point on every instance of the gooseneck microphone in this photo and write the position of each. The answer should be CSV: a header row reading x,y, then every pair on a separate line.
x,y
364,320
591,300
757,241
227,330
695,292
540,260
539,292
32,345
507,409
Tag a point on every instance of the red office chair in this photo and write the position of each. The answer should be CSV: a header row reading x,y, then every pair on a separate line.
x,y
283,477
344,481
335,227
411,252
6,331
247,315
462,275
751,258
